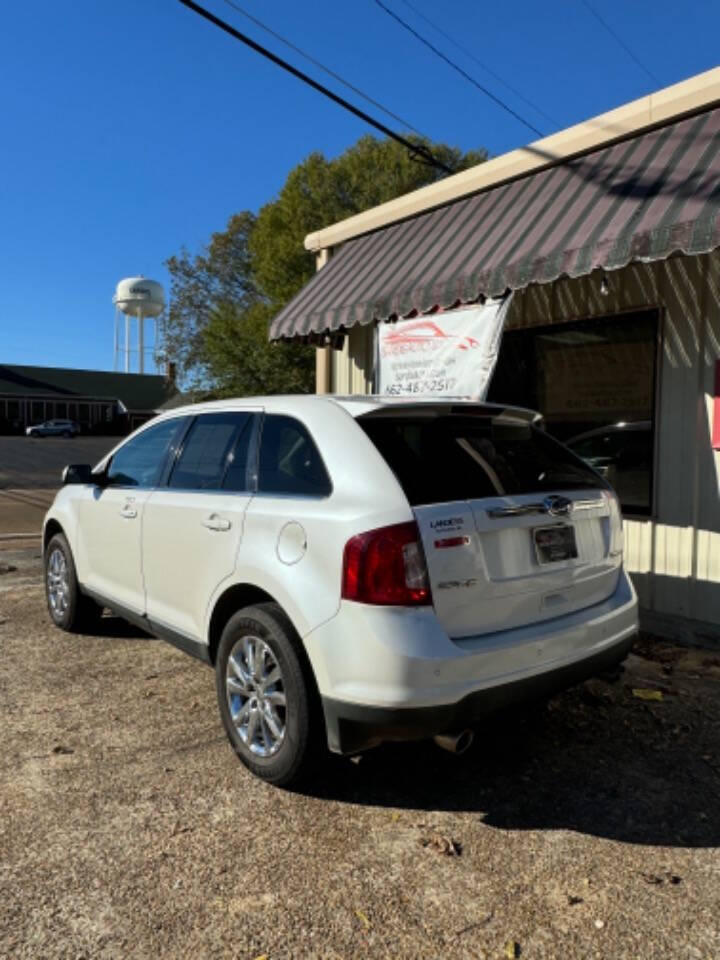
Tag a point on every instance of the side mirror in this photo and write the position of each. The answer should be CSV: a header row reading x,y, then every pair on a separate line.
x,y
78,473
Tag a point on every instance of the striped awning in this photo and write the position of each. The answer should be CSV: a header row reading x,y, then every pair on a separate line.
x,y
642,198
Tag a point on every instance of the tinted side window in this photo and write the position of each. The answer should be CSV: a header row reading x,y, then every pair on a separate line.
x,y
289,460
140,461
237,476
207,451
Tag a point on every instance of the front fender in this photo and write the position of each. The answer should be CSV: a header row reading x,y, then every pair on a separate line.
x,y
63,514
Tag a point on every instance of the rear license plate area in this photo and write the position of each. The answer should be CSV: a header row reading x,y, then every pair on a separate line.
x,y
554,544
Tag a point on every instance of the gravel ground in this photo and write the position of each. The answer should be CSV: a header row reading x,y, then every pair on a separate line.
x,y
128,828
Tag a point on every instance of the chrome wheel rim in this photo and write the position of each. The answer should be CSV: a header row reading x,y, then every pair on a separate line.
x,y
256,696
58,588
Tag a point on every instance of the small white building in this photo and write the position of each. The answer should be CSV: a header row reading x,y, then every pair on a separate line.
x,y
609,235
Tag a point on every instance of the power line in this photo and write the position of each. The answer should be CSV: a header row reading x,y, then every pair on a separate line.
x,y
462,73
484,66
418,150
320,66
622,43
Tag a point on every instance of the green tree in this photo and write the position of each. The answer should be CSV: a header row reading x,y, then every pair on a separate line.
x,y
319,192
198,284
222,299
242,361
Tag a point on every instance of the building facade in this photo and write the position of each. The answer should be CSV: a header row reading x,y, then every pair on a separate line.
x,y
101,402
608,236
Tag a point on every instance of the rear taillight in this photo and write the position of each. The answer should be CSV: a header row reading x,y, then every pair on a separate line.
x,y
386,566
615,547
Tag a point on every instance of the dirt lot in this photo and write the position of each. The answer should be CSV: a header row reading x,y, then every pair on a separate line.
x,y
128,829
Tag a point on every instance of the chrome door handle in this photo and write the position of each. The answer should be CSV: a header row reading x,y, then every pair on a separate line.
x,y
128,512
214,522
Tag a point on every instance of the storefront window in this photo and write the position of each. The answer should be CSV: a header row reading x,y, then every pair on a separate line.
x,y
594,382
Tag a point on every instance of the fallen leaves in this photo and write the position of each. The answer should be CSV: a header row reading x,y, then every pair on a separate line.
x,y
657,880
363,919
478,923
654,648
442,844
596,691
179,828
644,693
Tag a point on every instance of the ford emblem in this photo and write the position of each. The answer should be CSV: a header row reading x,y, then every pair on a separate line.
x,y
558,506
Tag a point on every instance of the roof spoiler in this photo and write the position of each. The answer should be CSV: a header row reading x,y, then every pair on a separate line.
x,y
410,407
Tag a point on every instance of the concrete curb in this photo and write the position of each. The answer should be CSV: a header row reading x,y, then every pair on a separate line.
x,y
20,536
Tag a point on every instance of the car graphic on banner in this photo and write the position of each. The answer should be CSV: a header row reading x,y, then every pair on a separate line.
x,y
448,354
412,335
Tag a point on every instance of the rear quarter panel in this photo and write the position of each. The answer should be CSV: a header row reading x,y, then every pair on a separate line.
x,y
293,546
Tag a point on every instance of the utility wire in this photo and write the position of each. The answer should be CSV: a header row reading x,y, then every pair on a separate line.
x,y
622,43
485,67
320,66
462,73
417,150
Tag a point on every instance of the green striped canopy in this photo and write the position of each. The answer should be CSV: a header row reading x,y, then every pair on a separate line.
x,y
641,198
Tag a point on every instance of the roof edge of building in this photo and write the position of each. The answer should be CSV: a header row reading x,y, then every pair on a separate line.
x,y
688,96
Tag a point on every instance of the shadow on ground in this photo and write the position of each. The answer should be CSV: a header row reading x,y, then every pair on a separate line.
x,y
596,760
115,628
615,768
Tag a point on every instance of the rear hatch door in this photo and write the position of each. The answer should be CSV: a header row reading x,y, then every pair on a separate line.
x,y
515,528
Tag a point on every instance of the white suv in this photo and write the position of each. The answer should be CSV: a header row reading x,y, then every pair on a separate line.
x,y
355,569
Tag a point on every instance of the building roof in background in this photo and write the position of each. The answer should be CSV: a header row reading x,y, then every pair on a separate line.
x,y
136,391
641,198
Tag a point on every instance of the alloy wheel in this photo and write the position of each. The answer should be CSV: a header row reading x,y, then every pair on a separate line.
x,y
256,696
58,587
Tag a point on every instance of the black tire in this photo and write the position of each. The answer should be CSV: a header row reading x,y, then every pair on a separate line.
x,y
300,744
80,614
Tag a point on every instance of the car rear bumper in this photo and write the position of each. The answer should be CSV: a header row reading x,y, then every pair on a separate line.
x,y
353,727
394,674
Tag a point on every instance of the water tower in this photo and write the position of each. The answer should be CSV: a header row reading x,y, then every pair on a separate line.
x,y
141,298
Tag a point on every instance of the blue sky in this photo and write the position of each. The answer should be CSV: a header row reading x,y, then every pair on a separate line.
x,y
130,129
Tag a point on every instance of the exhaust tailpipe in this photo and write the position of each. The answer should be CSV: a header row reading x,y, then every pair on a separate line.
x,y
456,743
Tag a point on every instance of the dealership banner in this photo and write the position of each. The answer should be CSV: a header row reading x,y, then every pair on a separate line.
x,y
442,354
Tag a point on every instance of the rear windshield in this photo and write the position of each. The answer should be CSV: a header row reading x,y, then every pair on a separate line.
x,y
446,458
